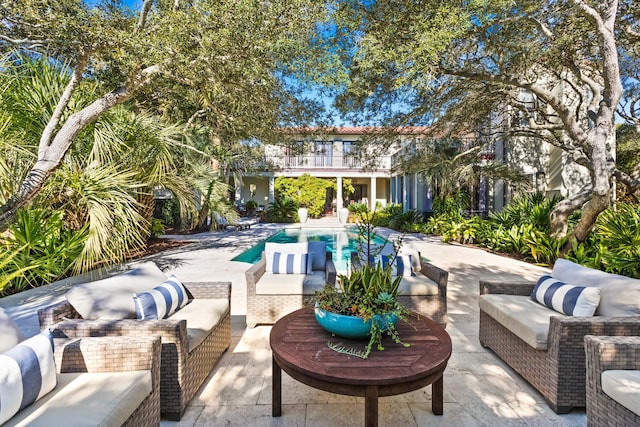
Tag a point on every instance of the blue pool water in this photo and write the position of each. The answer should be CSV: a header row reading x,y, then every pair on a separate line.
x,y
340,241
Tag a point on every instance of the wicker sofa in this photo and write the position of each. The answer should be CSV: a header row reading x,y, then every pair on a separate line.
x,y
426,291
619,359
271,295
100,381
545,347
193,338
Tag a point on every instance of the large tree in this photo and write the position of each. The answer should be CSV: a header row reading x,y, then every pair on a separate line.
x,y
227,60
554,64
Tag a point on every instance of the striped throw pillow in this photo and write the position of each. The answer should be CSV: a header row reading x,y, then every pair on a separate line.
x,y
27,373
284,263
161,301
566,299
401,266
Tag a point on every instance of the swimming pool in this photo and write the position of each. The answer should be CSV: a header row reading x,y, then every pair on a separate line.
x,y
340,241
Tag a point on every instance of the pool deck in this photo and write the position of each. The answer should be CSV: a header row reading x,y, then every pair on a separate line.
x,y
479,389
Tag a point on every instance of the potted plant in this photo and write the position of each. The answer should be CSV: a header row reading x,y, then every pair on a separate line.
x,y
251,206
366,303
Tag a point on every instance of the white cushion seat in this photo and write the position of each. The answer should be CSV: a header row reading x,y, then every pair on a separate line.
x,y
521,315
202,315
88,399
418,285
623,386
291,284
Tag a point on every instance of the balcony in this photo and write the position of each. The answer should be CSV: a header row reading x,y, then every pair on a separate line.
x,y
328,162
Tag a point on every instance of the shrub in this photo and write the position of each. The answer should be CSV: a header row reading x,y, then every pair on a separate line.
x,y
283,210
45,249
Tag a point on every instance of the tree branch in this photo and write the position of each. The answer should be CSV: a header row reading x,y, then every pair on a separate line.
x,y
142,21
76,77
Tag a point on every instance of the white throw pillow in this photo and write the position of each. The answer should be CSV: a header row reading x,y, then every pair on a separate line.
x,y
161,301
566,299
27,373
10,334
287,263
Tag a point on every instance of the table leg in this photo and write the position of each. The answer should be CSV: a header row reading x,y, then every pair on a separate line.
x,y
276,389
371,406
437,391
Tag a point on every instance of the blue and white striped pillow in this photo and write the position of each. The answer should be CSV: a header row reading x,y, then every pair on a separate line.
x,y
27,372
161,301
401,266
566,299
287,263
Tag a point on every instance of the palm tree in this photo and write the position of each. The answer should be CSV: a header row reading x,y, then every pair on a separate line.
x,y
108,177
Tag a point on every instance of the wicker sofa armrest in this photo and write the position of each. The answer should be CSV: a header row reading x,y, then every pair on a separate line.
x,y
171,331
508,288
437,274
330,270
569,332
611,352
210,290
253,275
109,354
55,313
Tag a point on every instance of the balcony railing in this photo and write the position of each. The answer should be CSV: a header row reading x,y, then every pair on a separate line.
x,y
321,161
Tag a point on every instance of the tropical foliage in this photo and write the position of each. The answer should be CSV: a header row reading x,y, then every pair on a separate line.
x,y
307,191
283,210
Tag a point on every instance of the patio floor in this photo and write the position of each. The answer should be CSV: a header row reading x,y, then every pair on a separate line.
x,y
479,389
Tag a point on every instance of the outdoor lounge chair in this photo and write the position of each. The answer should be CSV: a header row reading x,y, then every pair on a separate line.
x,y
241,224
271,295
546,347
613,398
82,382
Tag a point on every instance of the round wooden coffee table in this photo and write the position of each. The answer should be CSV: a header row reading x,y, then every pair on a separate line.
x,y
299,347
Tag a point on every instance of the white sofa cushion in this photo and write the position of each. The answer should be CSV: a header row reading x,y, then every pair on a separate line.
x,y
418,284
317,248
520,315
83,399
10,334
27,373
623,387
161,301
112,298
619,295
294,284
566,299
202,315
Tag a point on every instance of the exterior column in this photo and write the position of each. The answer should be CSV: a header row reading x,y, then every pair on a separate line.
x,y
405,193
339,201
272,189
374,190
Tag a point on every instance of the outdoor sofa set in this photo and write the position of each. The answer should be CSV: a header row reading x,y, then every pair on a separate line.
x,y
547,347
192,320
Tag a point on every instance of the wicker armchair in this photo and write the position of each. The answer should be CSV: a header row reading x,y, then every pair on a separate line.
x,y
432,306
602,354
78,397
268,308
559,372
183,370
